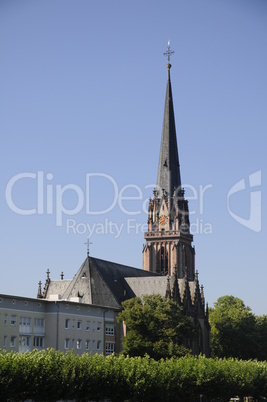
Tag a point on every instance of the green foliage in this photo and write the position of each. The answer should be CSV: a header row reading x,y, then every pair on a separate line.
x,y
236,331
262,336
51,375
155,326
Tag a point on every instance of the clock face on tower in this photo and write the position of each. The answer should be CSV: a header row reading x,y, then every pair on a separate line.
x,y
163,219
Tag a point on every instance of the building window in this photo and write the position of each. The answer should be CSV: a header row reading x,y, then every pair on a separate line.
x,y
12,341
38,342
25,341
93,345
93,326
72,343
13,320
4,344
109,348
79,325
39,322
73,324
67,343
5,320
67,323
79,344
87,325
110,330
25,321
98,345
87,345
98,326
39,326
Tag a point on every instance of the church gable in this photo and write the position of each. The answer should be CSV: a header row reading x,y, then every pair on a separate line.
x,y
80,287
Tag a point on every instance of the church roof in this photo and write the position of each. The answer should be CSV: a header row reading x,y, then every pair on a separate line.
x,y
106,283
169,177
97,282
158,285
148,286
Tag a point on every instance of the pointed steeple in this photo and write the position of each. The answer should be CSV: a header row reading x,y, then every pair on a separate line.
x,y
168,238
169,177
168,249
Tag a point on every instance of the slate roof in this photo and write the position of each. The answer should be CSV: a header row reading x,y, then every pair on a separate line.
x,y
148,286
158,285
169,176
98,282
106,283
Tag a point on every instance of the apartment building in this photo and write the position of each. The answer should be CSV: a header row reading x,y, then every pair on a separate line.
x,y
27,324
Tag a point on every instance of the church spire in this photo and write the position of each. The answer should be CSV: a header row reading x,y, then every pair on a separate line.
x,y
168,239
169,178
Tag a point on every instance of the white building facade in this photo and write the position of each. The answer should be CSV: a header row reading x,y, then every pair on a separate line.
x,y
27,324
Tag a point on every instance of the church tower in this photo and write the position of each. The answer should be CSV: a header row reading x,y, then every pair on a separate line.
x,y
168,249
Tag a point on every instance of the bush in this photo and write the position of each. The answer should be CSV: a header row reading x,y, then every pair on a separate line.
x,y
52,375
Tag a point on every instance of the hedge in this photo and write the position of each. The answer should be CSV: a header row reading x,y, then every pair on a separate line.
x,y
51,375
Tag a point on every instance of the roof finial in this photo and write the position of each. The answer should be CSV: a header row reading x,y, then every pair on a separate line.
x,y
39,294
168,53
88,244
168,289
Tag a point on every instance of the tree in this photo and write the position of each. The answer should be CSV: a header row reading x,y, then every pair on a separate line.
x,y
233,329
155,326
262,336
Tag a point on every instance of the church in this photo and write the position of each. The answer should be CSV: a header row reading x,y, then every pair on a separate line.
x,y
168,253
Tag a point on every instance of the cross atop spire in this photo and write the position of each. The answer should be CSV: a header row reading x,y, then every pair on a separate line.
x,y
88,246
168,54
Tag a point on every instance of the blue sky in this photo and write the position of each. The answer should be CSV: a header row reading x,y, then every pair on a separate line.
x,y
81,103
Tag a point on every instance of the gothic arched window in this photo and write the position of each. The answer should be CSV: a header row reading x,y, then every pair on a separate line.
x,y
163,261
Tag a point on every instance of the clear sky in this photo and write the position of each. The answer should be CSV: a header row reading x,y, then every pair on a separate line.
x,y
82,90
